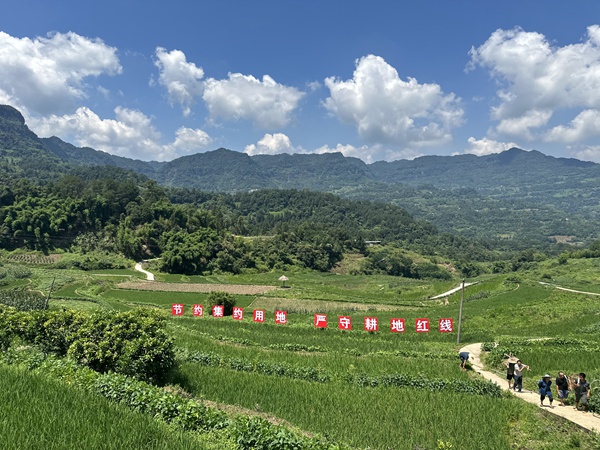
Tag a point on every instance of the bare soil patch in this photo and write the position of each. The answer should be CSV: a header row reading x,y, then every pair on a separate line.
x,y
240,289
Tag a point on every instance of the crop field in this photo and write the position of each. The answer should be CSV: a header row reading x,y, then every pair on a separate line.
x,y
165,299
66,418
34,258
246,289
376,390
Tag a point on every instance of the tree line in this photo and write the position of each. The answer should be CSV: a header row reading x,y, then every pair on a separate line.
x,y
108,210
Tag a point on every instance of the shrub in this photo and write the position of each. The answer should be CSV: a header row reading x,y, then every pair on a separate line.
x,y
93,261
133,343
224,299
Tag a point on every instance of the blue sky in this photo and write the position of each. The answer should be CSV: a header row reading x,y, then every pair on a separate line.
x,y
379,80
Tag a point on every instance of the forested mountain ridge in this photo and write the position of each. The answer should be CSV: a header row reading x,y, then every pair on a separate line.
x,y
22,154
514,173
515,199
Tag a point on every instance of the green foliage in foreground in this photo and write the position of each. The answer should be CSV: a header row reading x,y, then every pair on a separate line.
x,y
184,413
38,412
134,343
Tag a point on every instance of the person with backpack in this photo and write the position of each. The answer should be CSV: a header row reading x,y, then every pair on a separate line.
x,y
582,392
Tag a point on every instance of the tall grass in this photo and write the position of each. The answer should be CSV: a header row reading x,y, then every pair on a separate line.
x,y
38,413
364,417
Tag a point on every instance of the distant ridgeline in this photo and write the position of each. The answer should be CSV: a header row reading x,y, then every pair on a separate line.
x,y
515,199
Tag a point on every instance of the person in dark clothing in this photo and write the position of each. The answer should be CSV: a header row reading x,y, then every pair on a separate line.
x,y
582,392
545,389
464,357
562,387
510,369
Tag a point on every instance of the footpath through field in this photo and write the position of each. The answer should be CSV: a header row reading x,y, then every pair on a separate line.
x,y
149,275
585,420
452,291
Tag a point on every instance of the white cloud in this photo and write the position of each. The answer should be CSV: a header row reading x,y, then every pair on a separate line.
x,y
266,103
272,144
46,74
487,146
130,134
586,125
182,79
537,79
387,110
589,154
190,140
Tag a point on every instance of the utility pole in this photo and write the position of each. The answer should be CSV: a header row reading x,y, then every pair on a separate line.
x,y
462,299
49,293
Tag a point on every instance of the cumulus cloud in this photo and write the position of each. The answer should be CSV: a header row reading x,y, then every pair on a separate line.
x,y
388,110
487,146
131,134
586,125
267,104
47,74
182,79
537,79
273,144
189,140
589,154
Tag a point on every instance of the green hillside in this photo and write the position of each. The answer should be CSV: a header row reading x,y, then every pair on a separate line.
x,y
512,201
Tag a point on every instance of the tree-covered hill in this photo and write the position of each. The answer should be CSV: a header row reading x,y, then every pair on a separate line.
x,y
87,156
22,154
564,183
514,200
221,171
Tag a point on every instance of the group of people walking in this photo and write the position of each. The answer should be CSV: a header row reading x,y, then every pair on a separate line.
x,y
577,383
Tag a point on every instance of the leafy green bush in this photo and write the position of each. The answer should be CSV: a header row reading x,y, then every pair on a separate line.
x,y
93,261
54,331
224,299
134,343
593,404
429,270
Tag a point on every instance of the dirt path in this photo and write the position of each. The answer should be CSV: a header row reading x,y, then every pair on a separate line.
x,y
149,275
568,290
451,291
585,420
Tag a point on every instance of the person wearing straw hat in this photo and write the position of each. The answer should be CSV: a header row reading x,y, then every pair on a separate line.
x,y
545,389
510,369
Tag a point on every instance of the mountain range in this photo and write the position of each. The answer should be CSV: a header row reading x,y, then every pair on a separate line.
x,y
512,196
